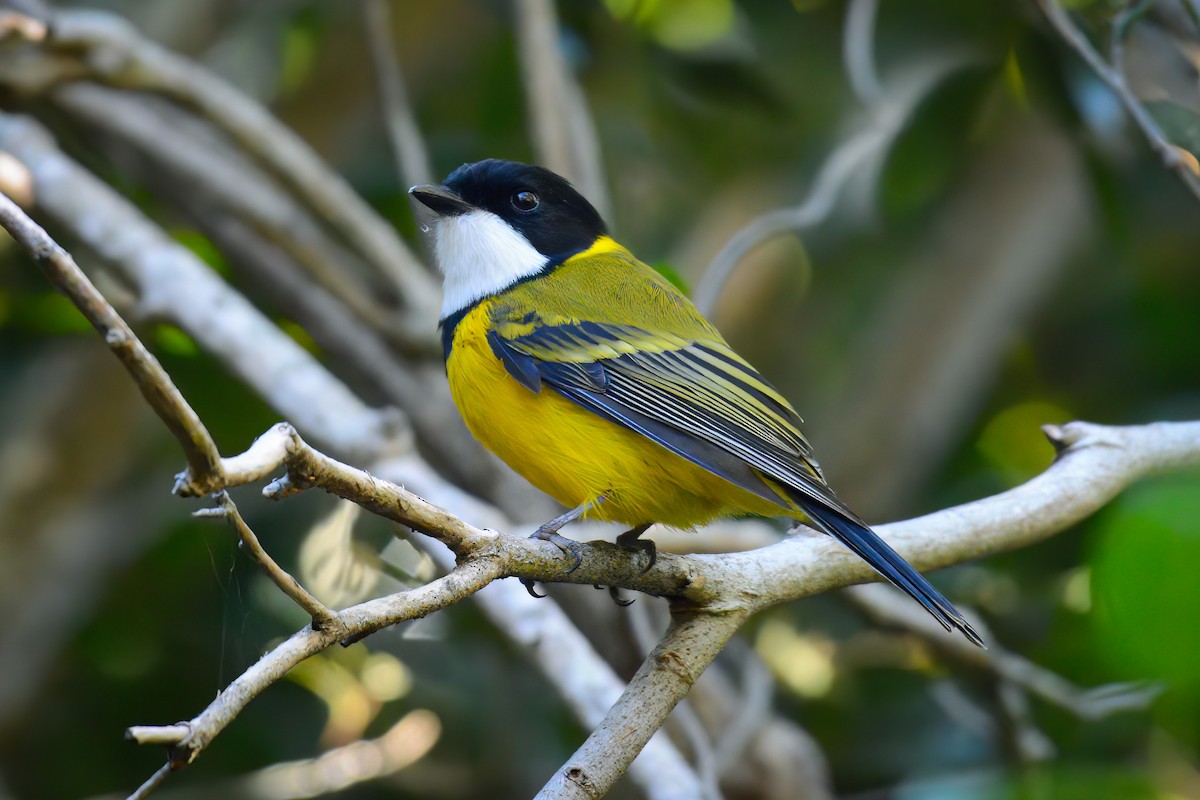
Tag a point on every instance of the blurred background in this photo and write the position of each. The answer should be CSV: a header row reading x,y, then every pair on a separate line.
x,y
1001,249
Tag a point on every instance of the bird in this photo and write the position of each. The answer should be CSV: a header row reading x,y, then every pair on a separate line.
x,y
591,375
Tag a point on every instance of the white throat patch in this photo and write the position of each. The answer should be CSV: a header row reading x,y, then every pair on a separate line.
x,y
479,254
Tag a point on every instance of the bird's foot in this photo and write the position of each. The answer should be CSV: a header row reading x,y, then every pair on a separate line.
x,y
570,547
629,540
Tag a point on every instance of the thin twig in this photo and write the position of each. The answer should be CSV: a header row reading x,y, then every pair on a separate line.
x,y
165,735
204,461
1060,20
354,623
322,615
153,782
408,146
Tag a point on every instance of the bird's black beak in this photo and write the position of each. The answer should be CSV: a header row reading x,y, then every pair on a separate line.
x,y
440,200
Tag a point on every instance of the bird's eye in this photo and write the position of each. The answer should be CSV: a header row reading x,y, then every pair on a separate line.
x,y
525,200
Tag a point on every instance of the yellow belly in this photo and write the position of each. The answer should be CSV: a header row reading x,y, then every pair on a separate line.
x,y
576,456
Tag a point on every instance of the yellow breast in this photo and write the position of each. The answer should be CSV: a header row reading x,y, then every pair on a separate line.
x,y
574,455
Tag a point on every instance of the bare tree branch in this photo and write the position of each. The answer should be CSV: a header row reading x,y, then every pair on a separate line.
x,y
697,737
322,616
204,462
352,623
1060,20
153,782
691,643
156,734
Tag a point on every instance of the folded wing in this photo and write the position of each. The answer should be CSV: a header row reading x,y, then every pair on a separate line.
x,y
701,397
700,400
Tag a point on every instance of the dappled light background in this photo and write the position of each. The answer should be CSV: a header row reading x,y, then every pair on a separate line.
x,y
1012,254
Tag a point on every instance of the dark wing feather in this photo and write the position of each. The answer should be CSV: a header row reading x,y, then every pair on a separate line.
x,y
701,391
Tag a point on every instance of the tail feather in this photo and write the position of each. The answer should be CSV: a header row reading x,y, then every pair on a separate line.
x,y
888,563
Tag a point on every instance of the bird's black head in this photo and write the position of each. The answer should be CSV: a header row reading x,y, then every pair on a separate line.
x,y
542,206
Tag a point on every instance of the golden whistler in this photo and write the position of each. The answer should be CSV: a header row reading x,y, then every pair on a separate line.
x,y
597,380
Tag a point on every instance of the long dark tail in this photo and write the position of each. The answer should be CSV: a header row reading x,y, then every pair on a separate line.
x,y
888,563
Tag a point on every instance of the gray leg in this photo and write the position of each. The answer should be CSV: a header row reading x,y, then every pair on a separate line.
x,y
549,533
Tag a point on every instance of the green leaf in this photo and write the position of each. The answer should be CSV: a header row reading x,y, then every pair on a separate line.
x,y
1144,585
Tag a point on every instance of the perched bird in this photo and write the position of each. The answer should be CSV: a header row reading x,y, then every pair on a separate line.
x,y
597,380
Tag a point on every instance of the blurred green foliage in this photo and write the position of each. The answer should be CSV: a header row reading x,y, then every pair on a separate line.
x,y
708,112
1144,549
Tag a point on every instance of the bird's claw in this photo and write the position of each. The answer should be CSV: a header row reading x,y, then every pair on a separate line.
x,y
615,594
529,585
635,545
569,547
